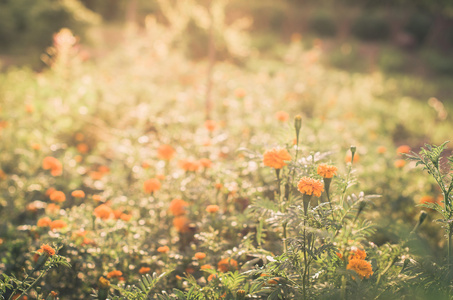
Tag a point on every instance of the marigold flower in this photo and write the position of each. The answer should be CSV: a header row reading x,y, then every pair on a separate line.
x,y
282,116
58,196
399,163
200,255
181,223
78,194
227,264
240,93
361,267
126,217
210,125
44,222
357,254
178,207
2,175
189,166
327,171
82,148
97,198
381,149
114,274
165,152
35,146
206,267
276,157
163,249
53,294
52,208
403,149
96,175
104,169
310,186
49,191
160,176
151,185
103,283
52,164
18,295
218,186
103,212
48,250
146,165
205,163
427,199
58,224
144,270
212,209
212,276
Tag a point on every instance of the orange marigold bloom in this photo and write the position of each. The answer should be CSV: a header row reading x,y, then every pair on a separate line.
x,y
357,254
165,152
82,148
282,116
200,255
104,169
103,283
117,213
58,224
50,191
212,209
310,186
35,146
240,93
144,270
18,295
44,222
399,163
403,149
126,217
206,267
2,175
48,250
381,149
96,175
210,125
78,194
103,212
190,166
114,274
218,186
327,171
52,164
212,276
163,249
146,165
205,163
276,157
181,224
361,267
97,198
178,207
151,185
58,196
52,208
227,264
160,176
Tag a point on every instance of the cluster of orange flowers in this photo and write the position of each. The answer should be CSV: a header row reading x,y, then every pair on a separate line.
x,y
52,164
195,165
151,185
165,152
357,263
47,222
178,208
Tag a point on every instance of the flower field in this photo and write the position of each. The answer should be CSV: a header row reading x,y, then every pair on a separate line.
x,y
299,181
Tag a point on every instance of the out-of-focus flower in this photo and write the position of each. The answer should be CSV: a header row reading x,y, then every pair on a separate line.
x,y
58,224
181,223
210,125
403,149
200,255
276,157
144,270
399,163
163,249
78,194
49,251
205,163
103,211
381,149
151,185
114,274
165,152
178,207
44,222
361,267
52,164
58,196
282,116
227,264
212,209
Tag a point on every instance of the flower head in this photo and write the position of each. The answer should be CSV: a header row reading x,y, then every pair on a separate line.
x,y
399,163
49,251
276,157
103,212
361,267
58,224
210,125
52,164
310,186
200,255
212,209
103,283
151,185
403,149
178,207
114,274
163,249
181,223
144,270
327,171
44,222
205,163
282,116
78,194
58,196
357,254
227,264
165,152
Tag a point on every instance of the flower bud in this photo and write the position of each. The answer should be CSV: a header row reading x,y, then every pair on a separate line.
x,y
297,126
